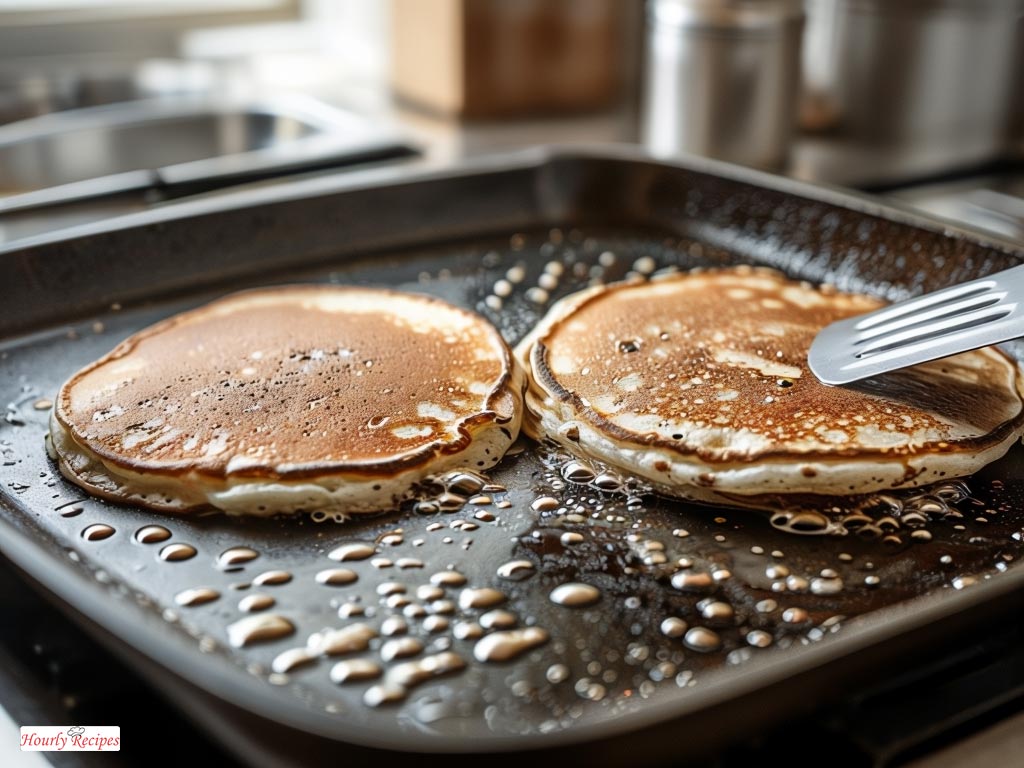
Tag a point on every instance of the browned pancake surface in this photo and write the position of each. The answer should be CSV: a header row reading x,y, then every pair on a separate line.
x,y
715,365
292,382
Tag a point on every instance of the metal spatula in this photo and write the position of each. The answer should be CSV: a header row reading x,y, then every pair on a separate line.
x,y
956,319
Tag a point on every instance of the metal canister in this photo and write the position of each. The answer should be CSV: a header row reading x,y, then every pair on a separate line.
x,y
722,79
915,87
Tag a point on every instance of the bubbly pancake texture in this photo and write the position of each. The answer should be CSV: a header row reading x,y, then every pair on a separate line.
x,y
699,383
298,398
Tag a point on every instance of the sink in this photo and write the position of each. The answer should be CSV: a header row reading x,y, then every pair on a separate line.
x,y
176,144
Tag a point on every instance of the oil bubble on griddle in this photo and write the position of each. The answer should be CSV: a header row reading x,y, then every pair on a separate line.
x,y
335,577
272,578
70,508
236,556
256,601
152,534
98,532
261,628
196,596
175,553
352,551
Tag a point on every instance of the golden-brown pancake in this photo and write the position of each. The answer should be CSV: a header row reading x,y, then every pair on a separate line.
x,y
298,398
699,383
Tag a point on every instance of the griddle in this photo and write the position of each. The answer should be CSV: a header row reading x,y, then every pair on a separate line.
x,y
610,685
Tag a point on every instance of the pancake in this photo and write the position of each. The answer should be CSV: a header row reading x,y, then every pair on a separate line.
x,y
298,398
699,384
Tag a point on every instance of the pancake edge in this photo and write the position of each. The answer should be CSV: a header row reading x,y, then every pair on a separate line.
x,y
338,492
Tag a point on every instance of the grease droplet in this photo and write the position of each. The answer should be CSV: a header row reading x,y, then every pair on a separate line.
x,y
272,578
575,595
759,638
379,695
402,677
447,579
673,627
515,570
435,624
98,532
484,597
255,602
336,577
198,596
702,639
291,659
394,625
400,648
175,553
498,619
71,509
795,615
259,629
467,630
506,645
234,556
692,582
545,504
152,534
355,670
557,673
335,642
356,550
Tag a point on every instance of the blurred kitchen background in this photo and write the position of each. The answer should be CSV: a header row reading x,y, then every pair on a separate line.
x,y
108,106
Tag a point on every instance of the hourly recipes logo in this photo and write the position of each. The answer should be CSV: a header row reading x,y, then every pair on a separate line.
x,y
70,738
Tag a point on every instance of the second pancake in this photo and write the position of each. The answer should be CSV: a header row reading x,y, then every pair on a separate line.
x,y
699,384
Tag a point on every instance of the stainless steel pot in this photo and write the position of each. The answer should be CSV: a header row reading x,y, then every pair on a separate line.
x,y
925,85
721,78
